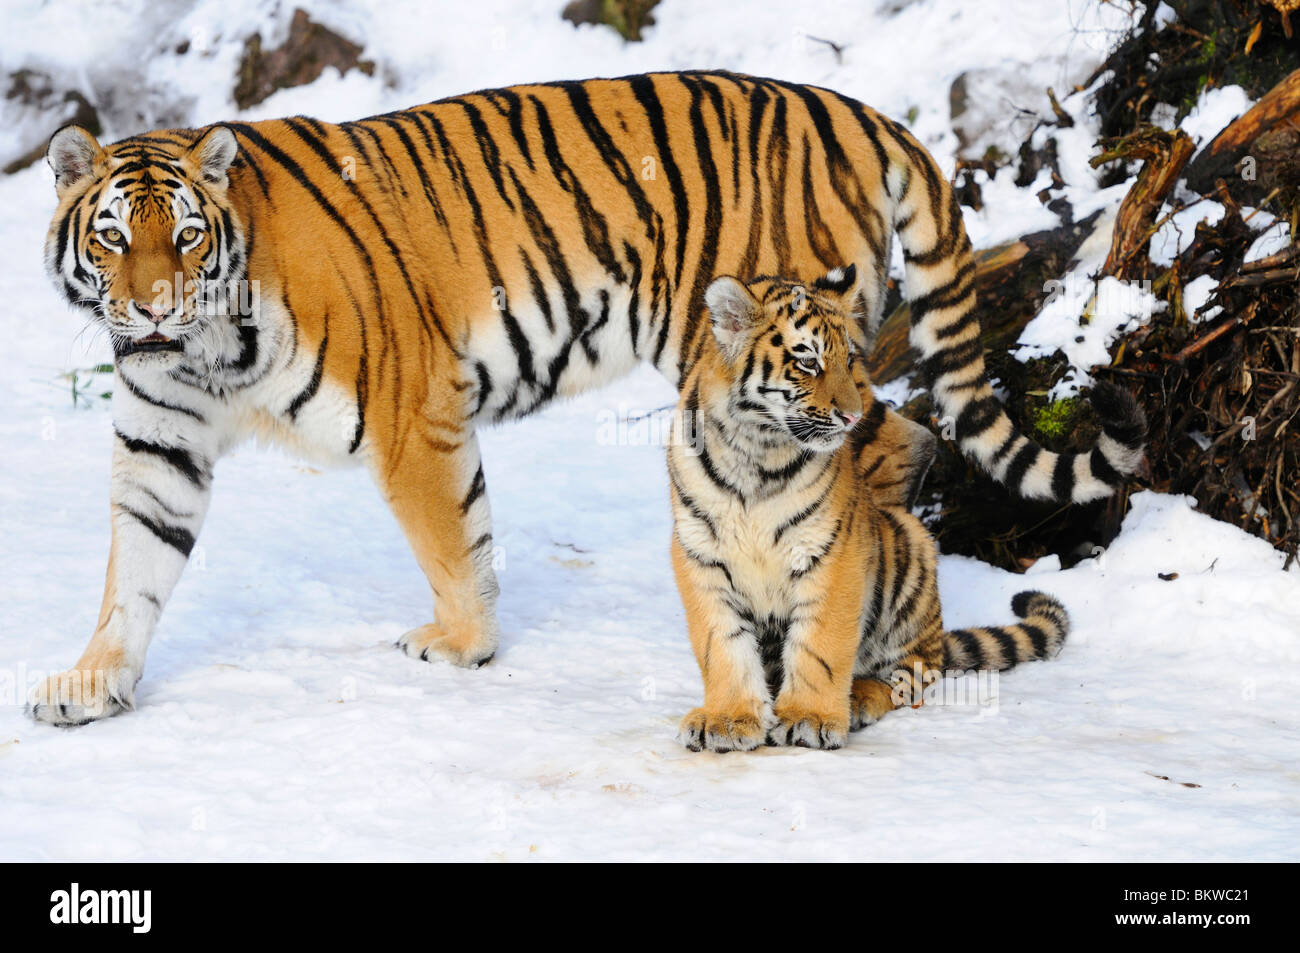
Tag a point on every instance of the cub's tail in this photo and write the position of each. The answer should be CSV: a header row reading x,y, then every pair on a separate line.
x,y
945,329
1039,635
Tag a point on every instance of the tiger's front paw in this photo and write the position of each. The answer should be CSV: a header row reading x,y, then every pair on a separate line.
x,y
703,729
805,728
79,696
464,647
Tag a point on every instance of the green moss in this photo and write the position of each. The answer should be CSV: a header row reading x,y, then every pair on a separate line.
x,y
1055,420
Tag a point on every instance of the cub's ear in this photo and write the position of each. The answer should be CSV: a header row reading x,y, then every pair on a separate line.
x,y
72,155
732,309
839,282
212,155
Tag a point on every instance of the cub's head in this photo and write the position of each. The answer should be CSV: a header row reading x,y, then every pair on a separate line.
x,y
144,236
786,346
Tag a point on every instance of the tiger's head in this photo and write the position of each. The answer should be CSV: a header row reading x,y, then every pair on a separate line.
x,y
144,237
787,348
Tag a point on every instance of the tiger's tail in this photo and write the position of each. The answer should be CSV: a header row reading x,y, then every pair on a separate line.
x,y
945,329
1040,634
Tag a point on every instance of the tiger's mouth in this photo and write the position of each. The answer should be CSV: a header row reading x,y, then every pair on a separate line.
x,y
149,344
815,436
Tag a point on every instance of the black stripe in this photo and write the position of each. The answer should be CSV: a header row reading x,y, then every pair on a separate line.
x,y
539,290
149,399
711,224
1008,643
1102,469
313,385
179,538
431,196
514,114
815,560
706,464
1020,464
643,88
979,416
787,472
175,457
691,504
972,650
830,673
802,515
948,295
709,564
841,172
477,487
487,148
595,229
1063,477
484,386
1037,636
949,359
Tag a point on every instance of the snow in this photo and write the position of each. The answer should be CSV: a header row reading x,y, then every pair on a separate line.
x,y
1196,294
275,719
1083,316
1175,235
1274,234
1009,211
1214,110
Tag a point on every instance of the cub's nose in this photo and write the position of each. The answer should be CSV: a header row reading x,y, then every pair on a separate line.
x,y
847,420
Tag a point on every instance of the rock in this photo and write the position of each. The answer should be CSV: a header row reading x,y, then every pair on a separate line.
x,y
628,17
304,55
33,110
982,104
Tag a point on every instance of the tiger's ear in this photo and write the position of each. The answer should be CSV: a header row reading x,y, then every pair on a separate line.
x,y
839,282
732,309
72,155
213,154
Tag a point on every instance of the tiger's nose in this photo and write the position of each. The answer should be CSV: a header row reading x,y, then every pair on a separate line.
x,y
153,312
846,419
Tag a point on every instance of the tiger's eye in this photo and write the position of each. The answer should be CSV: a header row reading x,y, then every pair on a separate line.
x,y
189,234
112,235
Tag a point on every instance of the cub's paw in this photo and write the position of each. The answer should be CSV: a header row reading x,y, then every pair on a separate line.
x,y
805,728
702,729
463,648
870,699
79,696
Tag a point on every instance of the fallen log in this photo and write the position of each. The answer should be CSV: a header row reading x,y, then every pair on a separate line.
x,y
1226,155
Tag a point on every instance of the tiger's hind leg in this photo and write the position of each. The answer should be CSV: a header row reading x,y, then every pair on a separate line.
x,y
872,697
903,655
433,480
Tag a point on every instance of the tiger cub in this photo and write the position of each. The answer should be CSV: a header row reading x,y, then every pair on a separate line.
x,y
811,602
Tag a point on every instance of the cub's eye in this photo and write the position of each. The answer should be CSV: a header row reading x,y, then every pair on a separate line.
x,y
808,366
188,235
111,236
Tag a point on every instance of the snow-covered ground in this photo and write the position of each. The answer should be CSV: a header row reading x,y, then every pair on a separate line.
x,y
276,720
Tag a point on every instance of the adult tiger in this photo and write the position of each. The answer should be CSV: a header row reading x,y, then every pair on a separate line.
x,y
423,272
